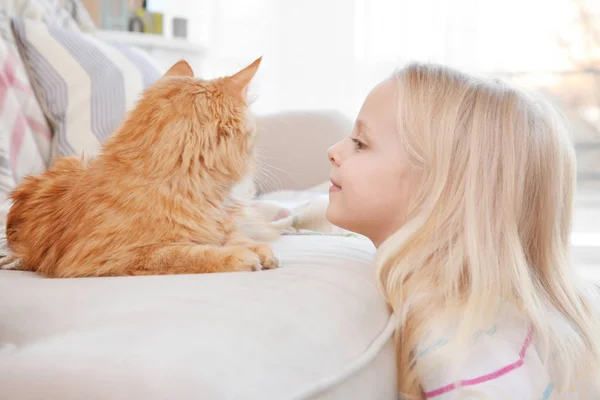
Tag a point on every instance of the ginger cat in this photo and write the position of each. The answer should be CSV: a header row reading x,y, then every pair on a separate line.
x,y
157,199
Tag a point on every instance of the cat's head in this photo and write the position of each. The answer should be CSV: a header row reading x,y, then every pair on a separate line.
x,y
183,125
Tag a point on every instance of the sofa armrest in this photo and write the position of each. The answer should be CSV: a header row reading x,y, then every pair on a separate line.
x,y
292,148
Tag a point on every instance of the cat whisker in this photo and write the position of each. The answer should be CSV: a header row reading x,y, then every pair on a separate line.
x,y
267,169
286,173
267,181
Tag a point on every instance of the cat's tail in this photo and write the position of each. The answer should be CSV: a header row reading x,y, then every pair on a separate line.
x,y
35,196
7,260
23,203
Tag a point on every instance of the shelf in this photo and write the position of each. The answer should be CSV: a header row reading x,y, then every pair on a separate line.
x,y
151,41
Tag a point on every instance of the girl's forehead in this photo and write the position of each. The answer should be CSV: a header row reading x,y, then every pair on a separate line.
x,y
384,92
379,109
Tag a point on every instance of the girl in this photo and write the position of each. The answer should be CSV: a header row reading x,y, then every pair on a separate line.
x,y
466,186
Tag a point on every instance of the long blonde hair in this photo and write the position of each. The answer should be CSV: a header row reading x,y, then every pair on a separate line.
x,y
490,222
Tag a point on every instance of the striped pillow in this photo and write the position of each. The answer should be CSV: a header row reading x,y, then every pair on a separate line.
x,y
25,137
84,84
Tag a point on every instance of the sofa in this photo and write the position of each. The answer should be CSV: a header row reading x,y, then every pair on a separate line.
x,y
315,328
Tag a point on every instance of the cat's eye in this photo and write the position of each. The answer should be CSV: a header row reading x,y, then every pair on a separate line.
x,y
358,145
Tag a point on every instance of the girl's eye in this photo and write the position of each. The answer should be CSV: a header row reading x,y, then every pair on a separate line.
x,y
358,144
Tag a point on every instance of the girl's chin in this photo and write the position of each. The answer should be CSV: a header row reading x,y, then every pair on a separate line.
x,y
335,216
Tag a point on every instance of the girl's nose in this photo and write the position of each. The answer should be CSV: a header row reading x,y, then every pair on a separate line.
x,y
333,155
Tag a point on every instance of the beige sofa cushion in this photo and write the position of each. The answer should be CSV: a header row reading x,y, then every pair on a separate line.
x,y
294,145
317,328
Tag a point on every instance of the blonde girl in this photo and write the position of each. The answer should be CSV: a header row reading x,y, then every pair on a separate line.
x,y
466,187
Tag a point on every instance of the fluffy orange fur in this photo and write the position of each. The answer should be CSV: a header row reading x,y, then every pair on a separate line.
x,y
157,199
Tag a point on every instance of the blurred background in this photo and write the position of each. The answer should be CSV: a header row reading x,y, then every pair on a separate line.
x,y
327,54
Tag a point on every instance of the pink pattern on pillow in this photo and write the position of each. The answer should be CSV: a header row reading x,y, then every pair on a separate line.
x,y
27,149
9,73
18,132
39,128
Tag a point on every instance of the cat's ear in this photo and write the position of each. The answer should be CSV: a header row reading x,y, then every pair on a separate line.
x,y
180,68
239,82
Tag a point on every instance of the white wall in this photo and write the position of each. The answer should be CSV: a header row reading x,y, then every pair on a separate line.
x,y
328,53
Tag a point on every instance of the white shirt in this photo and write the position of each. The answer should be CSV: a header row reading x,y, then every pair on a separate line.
x,y
499,363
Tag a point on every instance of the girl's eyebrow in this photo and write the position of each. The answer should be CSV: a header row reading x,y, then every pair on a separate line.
x,y
362,129
361,126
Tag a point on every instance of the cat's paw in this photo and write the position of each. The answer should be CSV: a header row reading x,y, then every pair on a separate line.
x,y
266,255
244,260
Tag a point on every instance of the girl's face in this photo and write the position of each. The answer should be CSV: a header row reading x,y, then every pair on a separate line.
x,y
371,178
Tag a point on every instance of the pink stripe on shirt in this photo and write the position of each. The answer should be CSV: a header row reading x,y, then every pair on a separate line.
x,y
488,377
